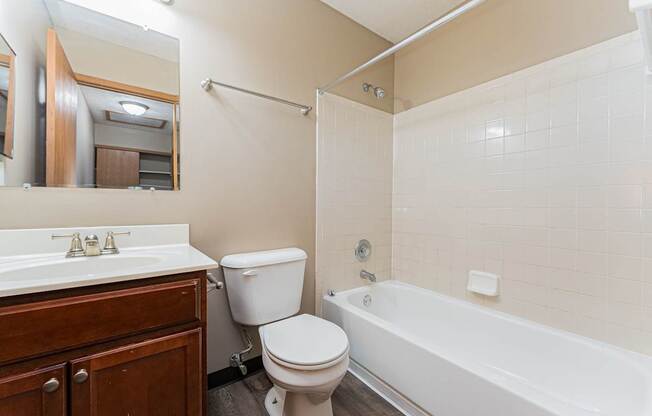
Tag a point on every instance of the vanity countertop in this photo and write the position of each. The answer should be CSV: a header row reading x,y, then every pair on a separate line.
x,y
41,271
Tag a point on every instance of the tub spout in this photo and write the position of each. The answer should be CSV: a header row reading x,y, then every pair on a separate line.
x,y
368,276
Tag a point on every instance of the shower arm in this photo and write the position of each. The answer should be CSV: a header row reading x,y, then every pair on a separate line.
x,y
453,14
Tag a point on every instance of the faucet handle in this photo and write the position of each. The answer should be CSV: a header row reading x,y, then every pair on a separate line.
x,y
109,243
76,247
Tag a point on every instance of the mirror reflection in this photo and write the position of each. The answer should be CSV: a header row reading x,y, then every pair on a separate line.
x,y
7,64
112,105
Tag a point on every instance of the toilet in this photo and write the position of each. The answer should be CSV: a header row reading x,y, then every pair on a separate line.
x,y
304,356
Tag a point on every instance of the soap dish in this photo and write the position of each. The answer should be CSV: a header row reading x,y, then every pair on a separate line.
x,y
483,283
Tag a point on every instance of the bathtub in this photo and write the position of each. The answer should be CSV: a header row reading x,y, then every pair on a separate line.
x,y
448,357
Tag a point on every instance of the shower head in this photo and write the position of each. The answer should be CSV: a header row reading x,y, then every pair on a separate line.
x,y
378,91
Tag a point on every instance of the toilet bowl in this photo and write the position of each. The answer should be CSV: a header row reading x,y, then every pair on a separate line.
x,y
305,357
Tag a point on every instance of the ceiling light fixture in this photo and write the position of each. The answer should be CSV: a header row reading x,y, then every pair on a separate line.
x,y
133,108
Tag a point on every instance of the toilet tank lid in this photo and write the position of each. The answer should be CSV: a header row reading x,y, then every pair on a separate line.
x,y
263,258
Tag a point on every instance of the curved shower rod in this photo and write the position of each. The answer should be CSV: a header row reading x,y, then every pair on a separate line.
x,y
405,42
208,83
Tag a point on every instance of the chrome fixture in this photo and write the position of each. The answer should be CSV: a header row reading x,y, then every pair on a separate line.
x,y
362,250
378,91
368,276
366,301
208,83
405,42
237,359
331,292
109,243
213,284
51,385
80,376
76,247
167,2
91,245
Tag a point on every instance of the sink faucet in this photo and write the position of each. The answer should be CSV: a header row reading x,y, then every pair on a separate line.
x,y
76,246
368,276
109,243
91,245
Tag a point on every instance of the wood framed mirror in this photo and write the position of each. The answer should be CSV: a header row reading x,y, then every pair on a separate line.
x,y
99,100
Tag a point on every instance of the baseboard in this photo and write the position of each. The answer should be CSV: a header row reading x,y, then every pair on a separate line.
x,y
231,374
396,399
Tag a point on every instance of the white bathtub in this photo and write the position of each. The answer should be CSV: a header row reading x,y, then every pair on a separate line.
x,y
453,358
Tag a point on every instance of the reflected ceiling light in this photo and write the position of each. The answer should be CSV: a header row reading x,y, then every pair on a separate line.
x,y
133,108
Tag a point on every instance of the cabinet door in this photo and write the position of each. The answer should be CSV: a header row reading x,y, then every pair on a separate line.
x,y
37,393
117,168
162,377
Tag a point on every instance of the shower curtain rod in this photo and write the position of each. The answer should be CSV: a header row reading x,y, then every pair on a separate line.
x,y
208,83
405,42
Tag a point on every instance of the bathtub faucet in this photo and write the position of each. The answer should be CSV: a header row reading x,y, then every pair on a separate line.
x,y
369,276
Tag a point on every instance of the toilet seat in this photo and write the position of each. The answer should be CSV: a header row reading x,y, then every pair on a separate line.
x,y
305,342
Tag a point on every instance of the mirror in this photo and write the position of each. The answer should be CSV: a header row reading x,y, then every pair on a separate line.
x,y
7,64
111,93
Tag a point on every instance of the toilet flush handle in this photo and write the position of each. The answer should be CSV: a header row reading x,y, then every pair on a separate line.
x,y
250,273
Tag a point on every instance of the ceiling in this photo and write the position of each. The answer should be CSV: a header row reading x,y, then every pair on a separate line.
x,y
99,101
91,23
394,20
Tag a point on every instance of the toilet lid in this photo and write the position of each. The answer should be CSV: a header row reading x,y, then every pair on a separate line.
x,y
305,340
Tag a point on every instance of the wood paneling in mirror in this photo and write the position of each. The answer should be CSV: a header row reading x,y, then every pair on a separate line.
x,y
109,85
117,168
61,118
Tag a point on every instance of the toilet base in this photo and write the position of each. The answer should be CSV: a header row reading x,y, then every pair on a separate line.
x,y
274,401
297,404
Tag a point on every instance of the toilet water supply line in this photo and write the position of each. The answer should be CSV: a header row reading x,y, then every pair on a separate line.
x,y
237,359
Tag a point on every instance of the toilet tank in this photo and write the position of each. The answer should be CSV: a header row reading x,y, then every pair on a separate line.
x,y
264,286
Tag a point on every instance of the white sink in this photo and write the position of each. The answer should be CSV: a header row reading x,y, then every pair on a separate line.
x,y
48,269
31,261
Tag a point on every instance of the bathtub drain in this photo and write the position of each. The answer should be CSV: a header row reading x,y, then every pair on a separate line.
x,y
366,301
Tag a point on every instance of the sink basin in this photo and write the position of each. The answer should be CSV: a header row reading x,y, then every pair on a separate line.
x,y
32,262
82,266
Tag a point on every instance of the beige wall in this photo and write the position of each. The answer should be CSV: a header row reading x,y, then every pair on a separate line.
x,y
24,25
112,135
85,141
500,37
92,56
248,165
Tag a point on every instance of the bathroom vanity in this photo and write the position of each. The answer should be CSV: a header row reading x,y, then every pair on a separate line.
x,y
127,339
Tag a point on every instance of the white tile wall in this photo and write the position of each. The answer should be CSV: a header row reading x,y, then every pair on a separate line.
x,y
544,177
354,192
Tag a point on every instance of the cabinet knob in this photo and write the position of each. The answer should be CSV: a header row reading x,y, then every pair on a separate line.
x,y
51,385
80,376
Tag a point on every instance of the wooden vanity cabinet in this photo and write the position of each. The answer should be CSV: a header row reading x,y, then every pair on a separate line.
x,y
156,377
40,392
130,348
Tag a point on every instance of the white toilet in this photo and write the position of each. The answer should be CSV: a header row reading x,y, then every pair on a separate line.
x,y
306,357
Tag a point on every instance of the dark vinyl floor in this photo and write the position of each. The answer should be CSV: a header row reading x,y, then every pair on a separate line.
x,y
247,398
